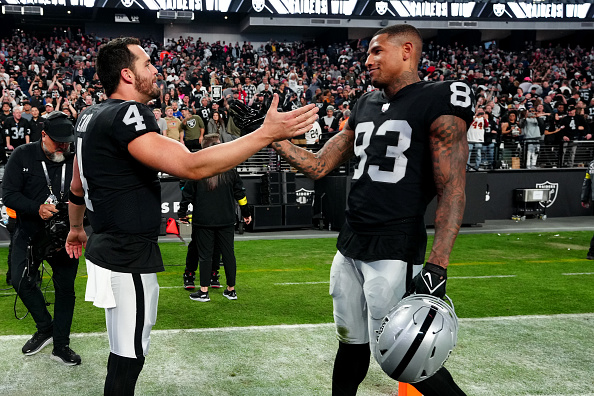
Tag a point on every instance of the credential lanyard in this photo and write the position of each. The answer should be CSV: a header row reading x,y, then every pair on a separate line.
x,y
49,182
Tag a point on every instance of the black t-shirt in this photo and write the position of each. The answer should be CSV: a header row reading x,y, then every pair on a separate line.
x,y
36,128
393,181
123,196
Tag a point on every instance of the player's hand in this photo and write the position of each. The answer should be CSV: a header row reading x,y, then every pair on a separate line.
x,y
247,220
585,205
184,220
75,242
431,280
281,126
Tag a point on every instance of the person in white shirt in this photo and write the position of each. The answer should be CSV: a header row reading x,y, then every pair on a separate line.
x,y
476,136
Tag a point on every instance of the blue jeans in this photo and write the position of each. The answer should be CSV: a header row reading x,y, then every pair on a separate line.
x,y
476,147
488,151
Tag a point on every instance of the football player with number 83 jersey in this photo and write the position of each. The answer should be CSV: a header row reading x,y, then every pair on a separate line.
x,y
409,140
119,151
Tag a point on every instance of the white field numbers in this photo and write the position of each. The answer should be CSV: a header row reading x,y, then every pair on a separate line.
x,y
460,97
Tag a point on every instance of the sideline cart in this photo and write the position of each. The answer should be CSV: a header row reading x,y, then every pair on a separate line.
x,y
530,201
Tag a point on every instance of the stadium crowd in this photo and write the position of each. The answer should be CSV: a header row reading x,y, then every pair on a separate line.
x,y
536,101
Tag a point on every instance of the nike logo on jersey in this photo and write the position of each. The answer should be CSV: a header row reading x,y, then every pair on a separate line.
x,y
430,284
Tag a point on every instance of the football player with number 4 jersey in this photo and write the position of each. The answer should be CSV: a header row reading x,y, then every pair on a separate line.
x,y
119,151
409,138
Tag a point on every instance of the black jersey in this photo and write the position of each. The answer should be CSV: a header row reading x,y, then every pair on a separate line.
x,y
17,131
204,113
123,196
393,180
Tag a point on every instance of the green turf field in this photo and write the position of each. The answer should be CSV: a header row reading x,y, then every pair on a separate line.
x,y
285,282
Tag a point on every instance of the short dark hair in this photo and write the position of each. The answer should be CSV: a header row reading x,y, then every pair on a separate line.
x,y
112,58
403,30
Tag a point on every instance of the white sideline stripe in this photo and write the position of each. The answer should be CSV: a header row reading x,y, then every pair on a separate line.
x,y
311,326
482,277
14,293
579,273
452,277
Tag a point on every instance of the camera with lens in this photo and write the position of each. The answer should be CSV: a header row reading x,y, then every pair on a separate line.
x,y
52,238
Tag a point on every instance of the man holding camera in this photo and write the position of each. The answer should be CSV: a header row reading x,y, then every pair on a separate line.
x,y
36,185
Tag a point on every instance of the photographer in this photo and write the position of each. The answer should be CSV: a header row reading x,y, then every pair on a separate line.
x,y
36,185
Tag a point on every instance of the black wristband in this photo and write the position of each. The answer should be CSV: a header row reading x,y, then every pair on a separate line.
x,y
436,269
75,199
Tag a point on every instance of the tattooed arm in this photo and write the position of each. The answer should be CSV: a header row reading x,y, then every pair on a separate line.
x,y
449,152
337,150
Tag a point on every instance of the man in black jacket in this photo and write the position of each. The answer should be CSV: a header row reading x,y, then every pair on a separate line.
x,y
35,185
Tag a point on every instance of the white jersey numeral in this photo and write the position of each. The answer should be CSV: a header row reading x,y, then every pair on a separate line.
x,y
460,94
133,117
397,152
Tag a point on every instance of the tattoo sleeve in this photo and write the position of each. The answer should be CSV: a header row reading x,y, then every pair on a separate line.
x,y
336,151
449,152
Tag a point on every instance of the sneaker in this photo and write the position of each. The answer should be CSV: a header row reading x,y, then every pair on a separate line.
x,y
214,280
590,256
230,294
66,356
200,296
189,277
37,343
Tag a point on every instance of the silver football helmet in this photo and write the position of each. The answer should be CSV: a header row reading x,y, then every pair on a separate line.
x,y
416,337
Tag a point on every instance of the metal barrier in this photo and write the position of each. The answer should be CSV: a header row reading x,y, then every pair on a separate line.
x,y
267,160
512,154
532,154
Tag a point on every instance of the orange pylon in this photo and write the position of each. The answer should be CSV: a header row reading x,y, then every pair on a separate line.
x,y
407,390
171,226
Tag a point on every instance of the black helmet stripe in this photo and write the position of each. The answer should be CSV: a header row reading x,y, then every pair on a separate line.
x,y
412,350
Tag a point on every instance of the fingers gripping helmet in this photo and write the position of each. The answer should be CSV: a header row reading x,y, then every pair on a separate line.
x,y
416,338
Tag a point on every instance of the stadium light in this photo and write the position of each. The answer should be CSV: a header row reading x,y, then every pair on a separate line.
x,y
177,16
22,10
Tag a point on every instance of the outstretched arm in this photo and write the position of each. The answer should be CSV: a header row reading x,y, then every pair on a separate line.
x,y
337,150
167,155
449,152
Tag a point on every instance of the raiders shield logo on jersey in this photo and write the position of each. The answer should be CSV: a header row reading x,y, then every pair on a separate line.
x,y
498,9
191,123
258,5
381,7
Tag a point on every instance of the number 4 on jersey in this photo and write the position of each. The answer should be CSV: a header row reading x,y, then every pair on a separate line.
x,y
133,117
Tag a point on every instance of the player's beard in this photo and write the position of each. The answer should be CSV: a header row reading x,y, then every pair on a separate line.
x,y
145,86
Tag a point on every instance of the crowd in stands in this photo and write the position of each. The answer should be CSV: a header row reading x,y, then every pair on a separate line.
x,y
527,102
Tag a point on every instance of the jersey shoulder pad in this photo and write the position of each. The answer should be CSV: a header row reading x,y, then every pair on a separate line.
x,y
453,98
360,106
132,120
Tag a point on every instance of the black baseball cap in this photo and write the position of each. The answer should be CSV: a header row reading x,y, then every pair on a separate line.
x,y
183,107
59,128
